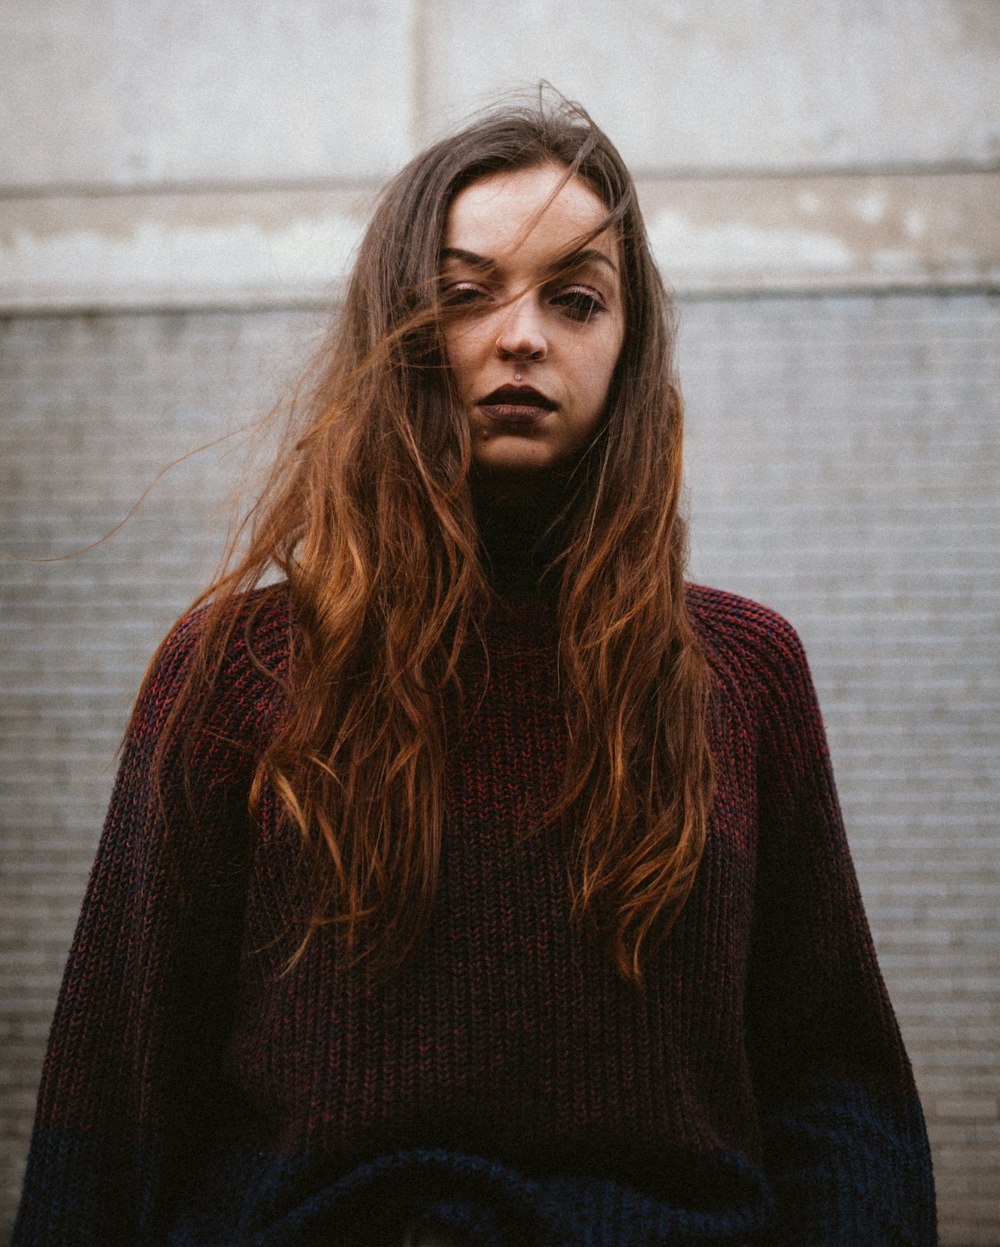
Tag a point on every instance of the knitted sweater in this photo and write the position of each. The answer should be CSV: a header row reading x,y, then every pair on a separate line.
x,y
507,1086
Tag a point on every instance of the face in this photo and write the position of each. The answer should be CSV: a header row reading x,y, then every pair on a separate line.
x,y
534,349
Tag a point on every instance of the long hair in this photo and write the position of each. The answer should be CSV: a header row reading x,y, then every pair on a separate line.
x,y
368,516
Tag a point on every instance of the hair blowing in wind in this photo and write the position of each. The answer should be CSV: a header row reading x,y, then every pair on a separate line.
x,y
368,515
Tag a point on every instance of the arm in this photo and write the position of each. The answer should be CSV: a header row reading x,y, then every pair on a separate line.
x,y
844,1136
130,1084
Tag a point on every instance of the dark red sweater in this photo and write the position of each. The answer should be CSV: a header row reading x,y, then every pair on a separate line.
x,y
507,1085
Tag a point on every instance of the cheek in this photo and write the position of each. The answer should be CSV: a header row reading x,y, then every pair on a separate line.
x,y
603,364
614,356
461,352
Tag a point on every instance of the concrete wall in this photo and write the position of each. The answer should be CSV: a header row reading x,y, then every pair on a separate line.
x,y
173,154
123,95
821,186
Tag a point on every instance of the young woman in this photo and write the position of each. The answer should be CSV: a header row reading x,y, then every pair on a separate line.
x,y
479,881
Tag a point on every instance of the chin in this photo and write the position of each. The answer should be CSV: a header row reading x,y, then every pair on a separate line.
x,y
517,465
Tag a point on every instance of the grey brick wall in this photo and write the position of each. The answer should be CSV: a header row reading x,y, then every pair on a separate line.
x,y
843,454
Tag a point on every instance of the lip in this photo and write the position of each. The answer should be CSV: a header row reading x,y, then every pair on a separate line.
x,y
515,404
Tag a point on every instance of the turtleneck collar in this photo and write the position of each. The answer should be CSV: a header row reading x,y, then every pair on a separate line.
x,y
518,544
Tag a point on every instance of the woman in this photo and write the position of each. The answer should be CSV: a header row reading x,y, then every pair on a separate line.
x,y
479,879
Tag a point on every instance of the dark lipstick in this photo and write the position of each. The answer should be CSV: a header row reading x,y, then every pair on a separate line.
x,y
515,404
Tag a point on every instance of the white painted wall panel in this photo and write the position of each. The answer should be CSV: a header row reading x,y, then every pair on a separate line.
x,y
174,91
140,92
740,84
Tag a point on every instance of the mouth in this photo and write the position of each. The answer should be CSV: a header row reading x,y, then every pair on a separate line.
x,y
515,404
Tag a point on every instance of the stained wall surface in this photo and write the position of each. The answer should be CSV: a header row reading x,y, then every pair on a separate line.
x,y
180,189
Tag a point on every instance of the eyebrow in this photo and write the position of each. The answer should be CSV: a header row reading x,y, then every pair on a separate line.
x,y
467,257
574,260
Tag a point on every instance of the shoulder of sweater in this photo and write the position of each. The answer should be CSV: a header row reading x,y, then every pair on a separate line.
x,y
245,674
730,619
255,624
746,642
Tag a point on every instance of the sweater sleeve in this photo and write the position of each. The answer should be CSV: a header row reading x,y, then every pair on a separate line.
x,y
844,1137
130,1081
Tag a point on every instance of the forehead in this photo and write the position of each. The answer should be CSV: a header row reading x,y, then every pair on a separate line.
x,y
525,212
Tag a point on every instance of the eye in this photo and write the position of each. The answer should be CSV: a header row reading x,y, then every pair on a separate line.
x,y
579,303
463,294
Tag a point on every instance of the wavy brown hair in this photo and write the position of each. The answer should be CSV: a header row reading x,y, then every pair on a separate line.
x,y
368,514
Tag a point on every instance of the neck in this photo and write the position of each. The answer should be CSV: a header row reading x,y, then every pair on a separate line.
x,y
520,535
531,493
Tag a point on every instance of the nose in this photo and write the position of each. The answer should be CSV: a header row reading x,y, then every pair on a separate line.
x,y
522,335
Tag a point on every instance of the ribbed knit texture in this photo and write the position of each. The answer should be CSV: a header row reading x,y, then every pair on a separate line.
x,y
507,1084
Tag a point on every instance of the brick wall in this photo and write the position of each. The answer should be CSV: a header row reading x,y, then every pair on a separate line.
x,y
843,454
843,458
